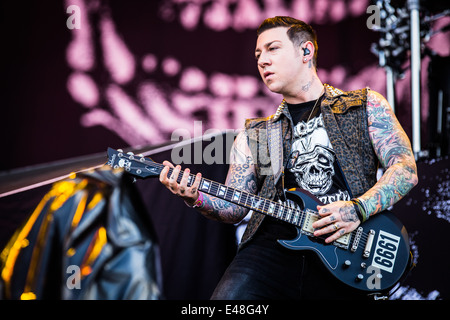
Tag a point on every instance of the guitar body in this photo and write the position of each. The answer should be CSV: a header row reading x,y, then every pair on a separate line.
x,y
378,270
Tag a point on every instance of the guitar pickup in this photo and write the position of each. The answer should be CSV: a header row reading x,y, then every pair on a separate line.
x,y
343,242
310,218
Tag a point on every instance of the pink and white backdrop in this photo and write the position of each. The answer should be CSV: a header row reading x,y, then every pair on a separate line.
x,y
208,69
134,71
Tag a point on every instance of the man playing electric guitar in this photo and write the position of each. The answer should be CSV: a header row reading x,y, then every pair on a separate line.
x,y
332,142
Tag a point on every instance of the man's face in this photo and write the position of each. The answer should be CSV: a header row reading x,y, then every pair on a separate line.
x,y
279,62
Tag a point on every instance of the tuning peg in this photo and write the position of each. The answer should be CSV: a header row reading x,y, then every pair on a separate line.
x,y
120,150
131,155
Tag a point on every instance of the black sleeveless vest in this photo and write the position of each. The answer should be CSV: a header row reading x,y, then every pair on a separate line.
x,y
345,119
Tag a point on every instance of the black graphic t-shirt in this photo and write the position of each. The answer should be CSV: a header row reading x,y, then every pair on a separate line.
x,y
312,164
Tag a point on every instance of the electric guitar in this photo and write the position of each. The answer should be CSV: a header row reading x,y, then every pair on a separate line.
x,y
373,258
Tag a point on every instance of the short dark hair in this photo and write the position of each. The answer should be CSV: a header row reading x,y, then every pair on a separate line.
x,y
298,32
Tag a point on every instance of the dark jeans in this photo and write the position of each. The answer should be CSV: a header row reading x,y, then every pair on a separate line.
x,y
264,269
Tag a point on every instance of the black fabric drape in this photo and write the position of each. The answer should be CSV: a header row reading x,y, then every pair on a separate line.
x,y
89,238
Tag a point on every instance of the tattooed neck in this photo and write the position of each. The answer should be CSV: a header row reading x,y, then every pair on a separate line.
x,y
307,86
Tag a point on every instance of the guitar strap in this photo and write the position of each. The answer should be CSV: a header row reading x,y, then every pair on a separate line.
x,y
275,144
269,188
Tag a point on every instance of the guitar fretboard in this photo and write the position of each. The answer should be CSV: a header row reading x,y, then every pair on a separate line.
x,y
244,199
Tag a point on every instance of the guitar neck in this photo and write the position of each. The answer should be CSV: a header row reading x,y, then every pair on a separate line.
x,y
145,167
289,212
247,200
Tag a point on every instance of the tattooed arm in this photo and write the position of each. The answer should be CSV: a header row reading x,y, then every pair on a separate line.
x,y
392,146
241,175
393,149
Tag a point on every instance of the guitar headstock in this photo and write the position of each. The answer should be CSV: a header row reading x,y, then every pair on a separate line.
x,y
136,165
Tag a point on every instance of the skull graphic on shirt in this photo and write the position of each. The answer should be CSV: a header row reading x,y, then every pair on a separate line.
x,y
312,157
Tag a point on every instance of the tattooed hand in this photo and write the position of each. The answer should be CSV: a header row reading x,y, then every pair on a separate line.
x,y
241,175
337,219
189,194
